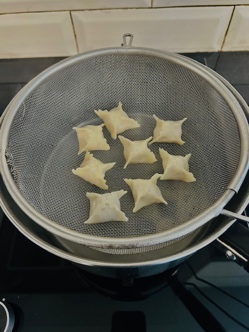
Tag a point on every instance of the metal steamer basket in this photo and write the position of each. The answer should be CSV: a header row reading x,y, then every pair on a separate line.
x,y
39,147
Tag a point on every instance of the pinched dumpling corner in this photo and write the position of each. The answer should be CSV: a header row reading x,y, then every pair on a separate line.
x,y
168,131
116,120
93,170
91,138
145,192
176,167
105,207
137,152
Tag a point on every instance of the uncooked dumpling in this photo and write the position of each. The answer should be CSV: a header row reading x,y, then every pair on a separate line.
x,y
176,167
91,138
168,131
93,170
137,152
117,121
145,192
106,207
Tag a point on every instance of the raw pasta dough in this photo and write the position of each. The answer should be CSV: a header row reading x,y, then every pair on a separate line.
x,y
168,131
91,138
106,207
93,170
176,167
137,152
145,192
117,121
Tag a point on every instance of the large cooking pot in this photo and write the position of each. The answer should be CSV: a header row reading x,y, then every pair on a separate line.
x,y
137,264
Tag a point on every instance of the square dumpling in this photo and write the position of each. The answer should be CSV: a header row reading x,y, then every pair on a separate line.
x,y
145,192
137,152
106,207
176,167
168,131
117,121
91,138
93,170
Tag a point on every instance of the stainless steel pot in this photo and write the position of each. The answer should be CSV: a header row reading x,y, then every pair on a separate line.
x,y
138,265
135,265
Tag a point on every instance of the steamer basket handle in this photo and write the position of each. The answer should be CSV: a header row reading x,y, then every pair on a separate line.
x,y
127,40
234,215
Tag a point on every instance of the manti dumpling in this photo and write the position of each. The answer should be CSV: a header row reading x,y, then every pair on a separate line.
x,y
93,170
91,138
117,121
106,207
168,131
176,167
145,192
137,152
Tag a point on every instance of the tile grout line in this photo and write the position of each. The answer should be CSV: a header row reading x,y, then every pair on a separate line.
x,y
126,8
74,32
71,10
224,39
228,26
190,6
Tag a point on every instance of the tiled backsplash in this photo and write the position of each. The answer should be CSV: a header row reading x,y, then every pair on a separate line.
x,y
57,28
36,34
238,35
173,29
185,3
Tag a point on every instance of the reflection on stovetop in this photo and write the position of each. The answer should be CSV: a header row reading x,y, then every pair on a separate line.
x,y
28,268
48,293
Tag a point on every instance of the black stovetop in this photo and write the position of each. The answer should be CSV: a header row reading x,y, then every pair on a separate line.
x,y
48,293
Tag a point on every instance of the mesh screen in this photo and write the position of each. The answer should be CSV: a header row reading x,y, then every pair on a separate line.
x,y
43,146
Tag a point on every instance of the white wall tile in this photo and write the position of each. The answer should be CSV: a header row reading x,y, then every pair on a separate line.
x,y
16,6
237,38
173,29
36,35
185,3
